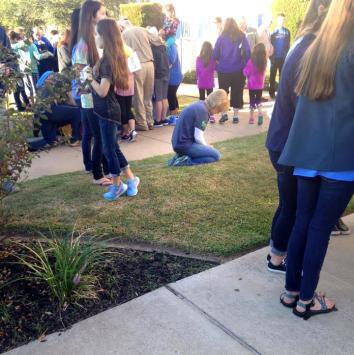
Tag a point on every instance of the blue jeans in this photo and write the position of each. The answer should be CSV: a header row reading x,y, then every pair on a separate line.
x,y
111,150
98,159
284,217
60,116
320,204
200,154
87,137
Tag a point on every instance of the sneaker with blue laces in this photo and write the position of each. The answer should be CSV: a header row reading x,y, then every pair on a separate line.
x,y
133,186
114,192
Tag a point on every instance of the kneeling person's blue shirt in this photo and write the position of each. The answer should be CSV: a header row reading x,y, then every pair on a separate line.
x,y
193,116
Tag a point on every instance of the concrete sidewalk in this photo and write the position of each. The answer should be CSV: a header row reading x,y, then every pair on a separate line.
x,y
65,159
230,309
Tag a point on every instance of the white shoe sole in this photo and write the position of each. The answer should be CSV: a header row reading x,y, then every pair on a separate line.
x,y
276,271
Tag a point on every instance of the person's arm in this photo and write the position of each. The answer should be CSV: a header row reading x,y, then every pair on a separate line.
x,y
198,67
217,49
247,69
102,88
246,48
199,136
288,40
172,55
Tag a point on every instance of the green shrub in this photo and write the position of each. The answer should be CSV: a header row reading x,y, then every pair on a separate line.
x,y
190,77
67,265
143,14
294,11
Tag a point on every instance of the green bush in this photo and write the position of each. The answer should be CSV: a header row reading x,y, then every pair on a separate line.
x,y
294,11
190,77
143,14
67,265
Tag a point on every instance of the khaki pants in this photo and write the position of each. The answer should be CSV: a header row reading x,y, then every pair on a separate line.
x,y
142,101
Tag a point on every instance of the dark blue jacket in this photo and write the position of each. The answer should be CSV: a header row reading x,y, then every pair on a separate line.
x,y
4,40
322,134
46,42
285,103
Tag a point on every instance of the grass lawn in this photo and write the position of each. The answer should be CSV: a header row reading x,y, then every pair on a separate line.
x,y
222,209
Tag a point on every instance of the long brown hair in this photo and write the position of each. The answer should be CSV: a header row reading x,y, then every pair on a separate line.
x,y
113,52
313,20
259,57
318,66
87,28
205,53
232,30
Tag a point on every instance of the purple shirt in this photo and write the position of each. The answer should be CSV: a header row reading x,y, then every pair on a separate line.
x,y
228,54
205,75
254,76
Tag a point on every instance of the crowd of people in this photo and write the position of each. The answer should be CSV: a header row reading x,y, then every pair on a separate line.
x,y
309,139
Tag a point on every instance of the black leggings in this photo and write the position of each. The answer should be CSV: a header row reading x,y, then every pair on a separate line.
x,y
236,81
125,103
172,97
202,93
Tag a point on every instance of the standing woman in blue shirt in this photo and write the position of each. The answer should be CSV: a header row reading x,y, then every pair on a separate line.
x,y
232,52
280,40
176,75
280,124
320,146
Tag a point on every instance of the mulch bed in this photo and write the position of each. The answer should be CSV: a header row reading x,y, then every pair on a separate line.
x,y
27,311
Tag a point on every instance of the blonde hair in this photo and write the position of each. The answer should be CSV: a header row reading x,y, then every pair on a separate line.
x,y
170,9
318,66
218,100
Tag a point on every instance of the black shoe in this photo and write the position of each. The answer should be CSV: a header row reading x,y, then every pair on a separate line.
x,y
223,118
164,122
280,269
235,119
340,228
158,124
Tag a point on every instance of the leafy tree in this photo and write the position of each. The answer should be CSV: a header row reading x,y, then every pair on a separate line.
x,y
27,14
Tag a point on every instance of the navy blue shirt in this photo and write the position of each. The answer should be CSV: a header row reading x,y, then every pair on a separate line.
x,y
194,116
280,40
285,104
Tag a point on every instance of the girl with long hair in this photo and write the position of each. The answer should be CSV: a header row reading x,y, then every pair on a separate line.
x,y
280,124
205,68
255,73
320,146
112,72
85,56
171,22
231,52
64,56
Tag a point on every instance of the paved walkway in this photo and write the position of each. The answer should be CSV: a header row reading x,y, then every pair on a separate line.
x,y
65,159
231,309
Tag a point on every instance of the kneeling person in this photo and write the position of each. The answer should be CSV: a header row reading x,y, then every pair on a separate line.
x,y
188,136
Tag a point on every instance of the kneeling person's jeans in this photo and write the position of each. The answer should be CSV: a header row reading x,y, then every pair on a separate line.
x,y
60,116
200,154
111,150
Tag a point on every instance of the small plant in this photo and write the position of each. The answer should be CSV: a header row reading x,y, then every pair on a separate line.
x,y
67,265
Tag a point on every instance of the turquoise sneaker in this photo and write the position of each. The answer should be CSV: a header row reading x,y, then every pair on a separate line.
x,y
133,186
114,192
